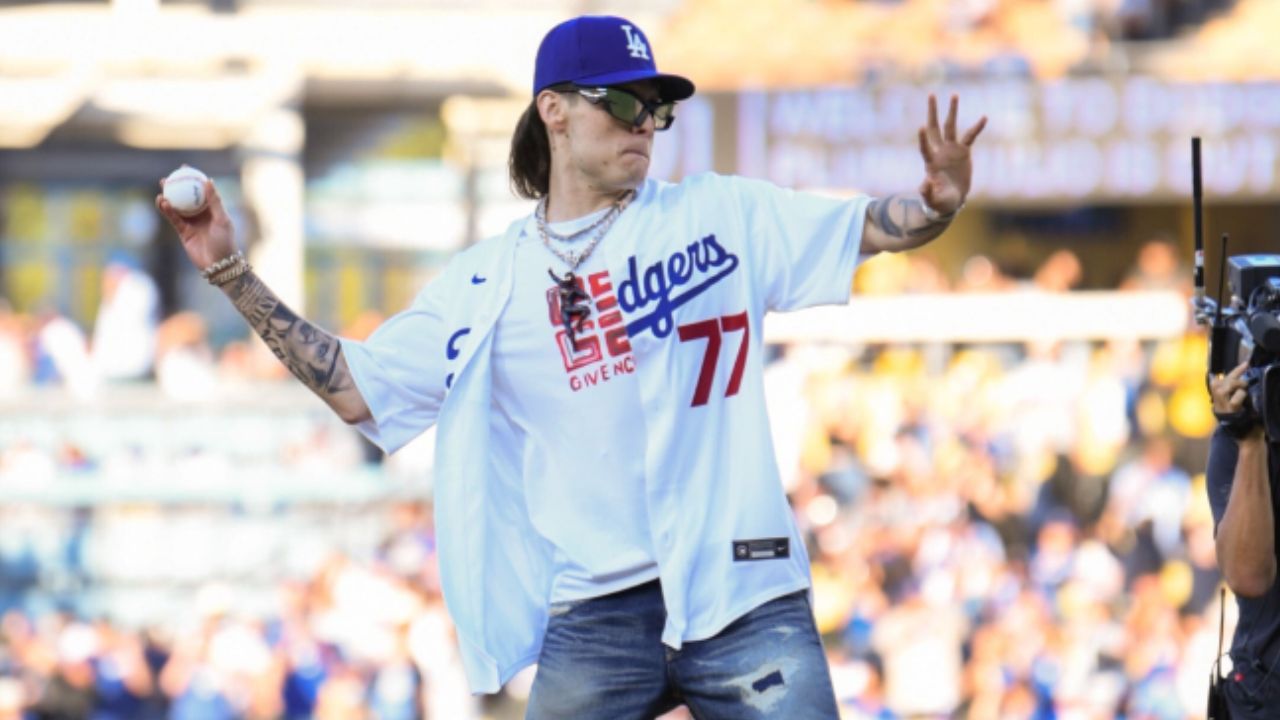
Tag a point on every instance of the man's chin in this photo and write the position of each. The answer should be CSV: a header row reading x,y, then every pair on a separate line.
x,y
635,165
635,179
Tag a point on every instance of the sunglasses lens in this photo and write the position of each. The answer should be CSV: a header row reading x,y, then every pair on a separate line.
x,y
630,109
623,105
664,115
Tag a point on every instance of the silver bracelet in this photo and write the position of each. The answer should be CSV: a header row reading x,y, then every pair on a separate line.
x,y
934,216
231,273
221,265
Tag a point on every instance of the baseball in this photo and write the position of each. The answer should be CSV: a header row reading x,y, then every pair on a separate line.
x,y
185,191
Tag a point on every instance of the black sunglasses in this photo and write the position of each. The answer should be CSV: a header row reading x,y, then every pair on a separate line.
x,y
625,106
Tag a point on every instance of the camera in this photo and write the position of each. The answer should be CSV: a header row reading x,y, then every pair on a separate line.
x,y
1247,328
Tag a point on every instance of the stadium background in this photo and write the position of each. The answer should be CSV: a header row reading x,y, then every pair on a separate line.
x,y
995,450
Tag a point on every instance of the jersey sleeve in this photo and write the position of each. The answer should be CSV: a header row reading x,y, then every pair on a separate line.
x,y
400,370
803,247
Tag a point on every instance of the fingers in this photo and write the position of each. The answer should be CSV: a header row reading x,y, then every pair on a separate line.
x,y
925,151
1238,370
1237,399
949,130
214,202
1229,391
1232,377
935,133
926,192
973,132
178,222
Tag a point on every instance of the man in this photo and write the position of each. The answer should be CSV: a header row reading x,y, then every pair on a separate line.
x,y
1242,479
607,500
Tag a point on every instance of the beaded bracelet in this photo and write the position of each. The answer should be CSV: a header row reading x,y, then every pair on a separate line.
x,y
221,265
231,273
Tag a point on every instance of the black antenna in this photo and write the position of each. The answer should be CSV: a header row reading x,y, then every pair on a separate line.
x,y
1198,204
1218,331
1222,280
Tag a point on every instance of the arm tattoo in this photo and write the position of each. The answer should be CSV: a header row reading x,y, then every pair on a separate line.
x,y
914,226
880,213
252,298
310,353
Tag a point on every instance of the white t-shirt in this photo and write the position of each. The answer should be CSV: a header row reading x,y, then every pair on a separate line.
x,y
577,412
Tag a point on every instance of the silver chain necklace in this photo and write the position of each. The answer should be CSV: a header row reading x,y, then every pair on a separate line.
x,y
573,300
574,258
544,227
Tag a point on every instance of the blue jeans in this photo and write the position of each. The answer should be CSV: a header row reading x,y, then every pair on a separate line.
x,y
604,658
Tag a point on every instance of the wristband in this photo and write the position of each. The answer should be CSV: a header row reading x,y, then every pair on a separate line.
x,y
237,268
934,216
1235,425
221,265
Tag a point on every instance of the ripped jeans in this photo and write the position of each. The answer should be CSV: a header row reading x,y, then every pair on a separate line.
x,y
604,659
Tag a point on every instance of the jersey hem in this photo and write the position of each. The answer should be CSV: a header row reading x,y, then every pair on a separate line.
x,y
742,609
634,582
510,671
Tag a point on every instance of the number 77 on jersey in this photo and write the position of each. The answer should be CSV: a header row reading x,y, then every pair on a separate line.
x,y
713,330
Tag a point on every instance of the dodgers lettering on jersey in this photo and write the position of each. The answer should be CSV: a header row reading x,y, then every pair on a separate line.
x,y
662,284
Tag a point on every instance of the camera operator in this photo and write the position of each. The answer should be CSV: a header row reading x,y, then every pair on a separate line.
x,y
1242,484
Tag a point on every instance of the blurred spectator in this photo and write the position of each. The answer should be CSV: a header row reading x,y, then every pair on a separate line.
x,y
1157,267
15,362
221,668
920,640
408,550
125,327
1059,272
396,688
859,686
62,355
1150,496
13,699
1160,19
184,362
124,682
342,696
980,274
69,691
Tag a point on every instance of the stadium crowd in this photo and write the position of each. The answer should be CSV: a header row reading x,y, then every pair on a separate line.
x,y
1022,534
782,44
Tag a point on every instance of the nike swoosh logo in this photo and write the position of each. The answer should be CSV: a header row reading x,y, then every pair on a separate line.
x,y
476,279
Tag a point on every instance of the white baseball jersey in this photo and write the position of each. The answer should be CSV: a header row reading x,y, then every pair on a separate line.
x,y
693,268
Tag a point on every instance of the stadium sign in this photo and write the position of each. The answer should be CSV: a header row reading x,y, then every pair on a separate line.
x,y
1067,141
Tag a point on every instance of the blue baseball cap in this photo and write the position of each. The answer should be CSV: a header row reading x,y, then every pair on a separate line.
x,y
599,51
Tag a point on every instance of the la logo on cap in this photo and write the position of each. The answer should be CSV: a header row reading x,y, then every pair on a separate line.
x,y
635,44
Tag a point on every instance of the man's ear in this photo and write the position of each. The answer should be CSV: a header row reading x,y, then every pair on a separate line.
x,y
553,110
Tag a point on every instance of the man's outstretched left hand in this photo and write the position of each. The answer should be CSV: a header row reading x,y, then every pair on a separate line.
x,y
948,166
